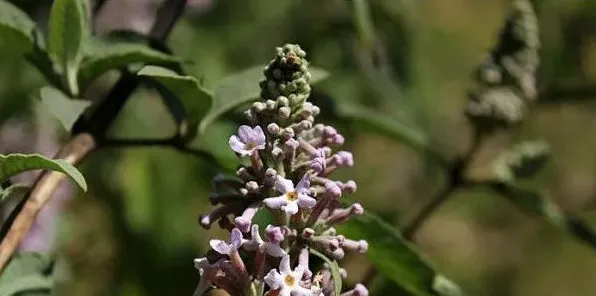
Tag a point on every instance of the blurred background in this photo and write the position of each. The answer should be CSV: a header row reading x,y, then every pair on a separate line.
x,y
136,231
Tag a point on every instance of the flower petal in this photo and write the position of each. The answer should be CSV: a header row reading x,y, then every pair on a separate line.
x,y
291,208
283,185
276,202
284,265
259,136
236,238
301,291
245,133
274,250
237,145
274,280
304,184
220,246
305,201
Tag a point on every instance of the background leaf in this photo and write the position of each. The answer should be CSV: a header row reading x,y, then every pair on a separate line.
x,y
68,30
334,269
243,87
13,164
112,52
16,28
65,109
26,272
376,122
195,99
396,259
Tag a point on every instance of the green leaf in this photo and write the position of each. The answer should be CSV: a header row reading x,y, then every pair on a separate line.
x,y
13,164
68,30
522,161
396,259
535,203
26,272
334,269
113,52
376,122
16,28
12,190
195,99
65,109
241,88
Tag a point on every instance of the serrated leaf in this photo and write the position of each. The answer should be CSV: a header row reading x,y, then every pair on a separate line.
x,y
241,88
535,203
13,190
68,30
65,109
195,99
393,256
376,122
13,164
522,161
334,269
16,28
26,272
113,52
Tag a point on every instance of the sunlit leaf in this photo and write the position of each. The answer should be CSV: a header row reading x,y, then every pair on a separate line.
x,y
393,256
68,30
195,99
112,52
535,203
65,109
334,269
26,272
241,88
16,28
13,164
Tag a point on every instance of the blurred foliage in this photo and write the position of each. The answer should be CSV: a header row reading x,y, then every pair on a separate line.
x,y
136,232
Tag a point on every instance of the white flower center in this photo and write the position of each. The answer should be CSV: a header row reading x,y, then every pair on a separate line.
x,y
292,195
290,280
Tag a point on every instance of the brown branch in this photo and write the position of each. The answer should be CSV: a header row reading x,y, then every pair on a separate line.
x,y
73,152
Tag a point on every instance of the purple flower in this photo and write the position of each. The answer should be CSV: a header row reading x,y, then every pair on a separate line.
x,y
271,247
248,141
291,197
286,280
346,158
225,248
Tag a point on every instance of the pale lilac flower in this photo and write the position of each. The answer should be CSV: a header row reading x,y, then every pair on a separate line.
x,y
225,248
291,197
359,290
271,247
347,159
286,280
248,141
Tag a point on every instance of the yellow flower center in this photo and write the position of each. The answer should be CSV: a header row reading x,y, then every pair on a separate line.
x,y
250,145
292,195
290,280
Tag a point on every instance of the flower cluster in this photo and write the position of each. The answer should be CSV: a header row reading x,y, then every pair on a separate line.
x,y
506,79
286,181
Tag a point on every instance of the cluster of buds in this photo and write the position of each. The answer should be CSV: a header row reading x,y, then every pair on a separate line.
x,y
286,177
506,79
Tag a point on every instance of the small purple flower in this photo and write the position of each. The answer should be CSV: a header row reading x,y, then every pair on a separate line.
x,y
291,197
225,248
286,280
248,141
346,158
270,247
